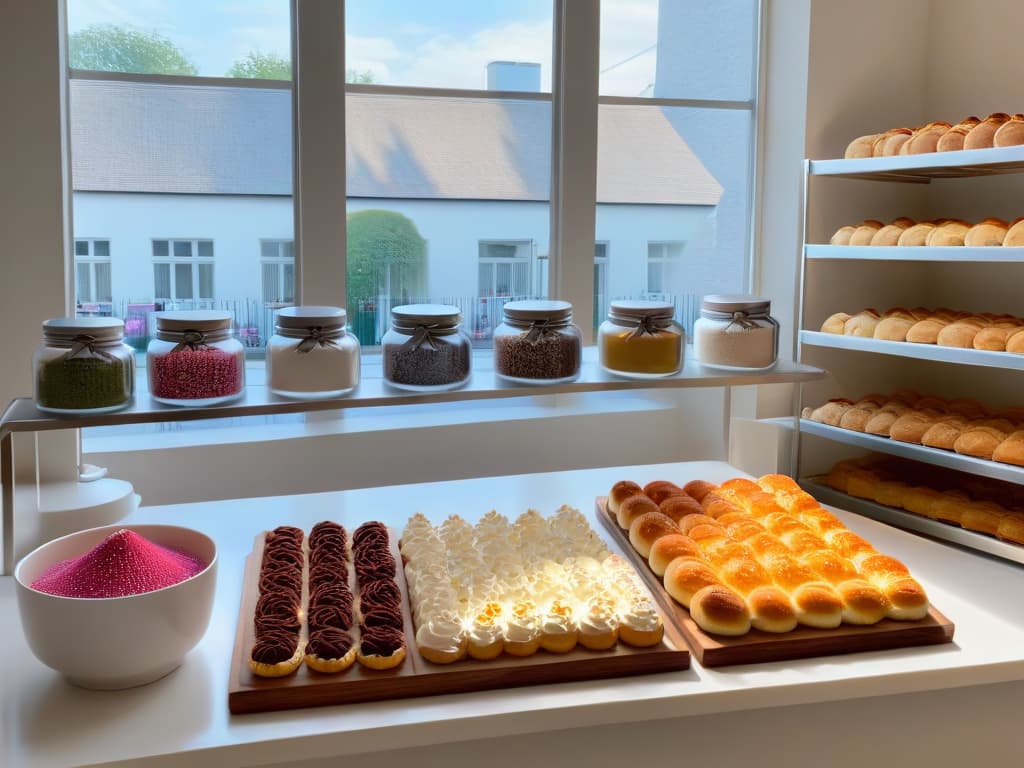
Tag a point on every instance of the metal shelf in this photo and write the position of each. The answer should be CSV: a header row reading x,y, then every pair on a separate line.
x,y
994,254
936,456
957,355
923,168
22,415
908,520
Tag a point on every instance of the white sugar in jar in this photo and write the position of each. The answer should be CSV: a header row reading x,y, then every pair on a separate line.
x,y
736,333
311,355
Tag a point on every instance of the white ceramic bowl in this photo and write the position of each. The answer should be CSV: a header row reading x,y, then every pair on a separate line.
x,y
117,642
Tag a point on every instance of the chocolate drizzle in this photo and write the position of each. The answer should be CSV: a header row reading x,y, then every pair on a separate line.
x,y
276,617
381,641
380,600
329,643
274,646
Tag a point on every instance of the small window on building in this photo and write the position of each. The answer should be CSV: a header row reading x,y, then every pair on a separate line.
x,y
277,264
183,270
504,268
92,272
664,267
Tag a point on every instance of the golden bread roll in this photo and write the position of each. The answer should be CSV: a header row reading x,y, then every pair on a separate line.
x,y
678,507
878,146
862,324
658,490
894,141
891,493
893,328
994,337
1010,414
921,500
1010,133
958,334
835,323
944,432
930,402
953,139
862,146
907,598
949,508
982,516
926,331
621,491
720,611
1015,343
861,483
926,138
911,426
881,423
648,528
863,602
631,508
864,232
988,232
857,417
715,505
685,576
744,529
983,134
949,233
899,312
831,413
689,522
848,543
967,407
889,234
1011,450
839,475
915,235
979,441
842,235
698,489
1015,234
771,610
668,548
1011,527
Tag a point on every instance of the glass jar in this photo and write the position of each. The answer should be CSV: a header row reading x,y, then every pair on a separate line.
x,y
426,349
640,340
736,333
537,343
310,355
194,359
83,366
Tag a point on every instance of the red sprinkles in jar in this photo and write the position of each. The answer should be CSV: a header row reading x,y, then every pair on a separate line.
x,y
124,563
195,374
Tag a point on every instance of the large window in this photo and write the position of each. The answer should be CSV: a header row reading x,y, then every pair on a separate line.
x,y
92,271
277,259
183,270
664,266
504,268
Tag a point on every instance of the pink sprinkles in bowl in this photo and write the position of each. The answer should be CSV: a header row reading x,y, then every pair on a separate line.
x,y
123,564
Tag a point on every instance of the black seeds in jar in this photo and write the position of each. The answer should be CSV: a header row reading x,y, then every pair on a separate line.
x,y
552,356
424,366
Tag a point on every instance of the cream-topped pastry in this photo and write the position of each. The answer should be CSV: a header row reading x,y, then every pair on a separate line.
x,y
486,635
441,639
522,629
640,623
558,630
599,625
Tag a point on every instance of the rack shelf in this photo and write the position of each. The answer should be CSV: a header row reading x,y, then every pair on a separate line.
x,y
936,456
995,254
980,357
910,521
22,415
923,168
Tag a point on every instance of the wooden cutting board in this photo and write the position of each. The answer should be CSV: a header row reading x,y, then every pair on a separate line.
x,y
801,643
419,677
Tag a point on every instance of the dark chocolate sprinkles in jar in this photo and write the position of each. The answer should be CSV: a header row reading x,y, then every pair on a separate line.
x,y
537,343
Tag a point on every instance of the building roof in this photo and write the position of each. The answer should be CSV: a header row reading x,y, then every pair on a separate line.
x,y
215,139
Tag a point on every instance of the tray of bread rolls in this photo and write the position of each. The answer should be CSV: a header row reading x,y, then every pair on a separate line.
x,y
758,571
328,619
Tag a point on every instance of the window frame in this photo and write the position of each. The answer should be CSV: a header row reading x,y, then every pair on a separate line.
x,y
525,262
90,259
280,261
194,260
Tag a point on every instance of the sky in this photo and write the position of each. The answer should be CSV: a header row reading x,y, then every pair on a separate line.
x,y
442,43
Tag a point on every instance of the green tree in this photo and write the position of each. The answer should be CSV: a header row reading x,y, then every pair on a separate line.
x,y
386,257
353,75
262,66
110,48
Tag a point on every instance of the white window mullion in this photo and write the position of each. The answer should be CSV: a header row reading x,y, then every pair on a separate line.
x,y
318,117
577,32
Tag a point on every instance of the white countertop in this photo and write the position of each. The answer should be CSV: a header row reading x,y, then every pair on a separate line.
x,y
47,722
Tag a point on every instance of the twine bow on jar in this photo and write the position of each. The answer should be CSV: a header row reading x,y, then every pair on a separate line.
x,y
193,340
317,337
423,334
742,319
84,345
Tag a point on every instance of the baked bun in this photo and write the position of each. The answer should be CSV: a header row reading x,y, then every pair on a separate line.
x,y
915,235
698,489
948,233
994,337
864,232
980,441
959,334
862,146
890,233
894,140
835,323
621,491
862,324
685,576
659,490
1015,343
667,548
678,507
926,331
953,139
842,235
911,426
720,611
1011,528
990,231
926,138
690,522
1010,133
982,516
881,423
894,328
857,417
944,433
967,407
983,134
1015,234
632,508
831,413
1011,450
648,528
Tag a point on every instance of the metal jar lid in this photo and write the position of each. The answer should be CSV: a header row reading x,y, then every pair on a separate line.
x,y
736,302
193,320
303,318
412,315
641,308
67,328
533,310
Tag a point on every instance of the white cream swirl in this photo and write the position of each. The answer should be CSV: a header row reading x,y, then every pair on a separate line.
x,y
442,633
